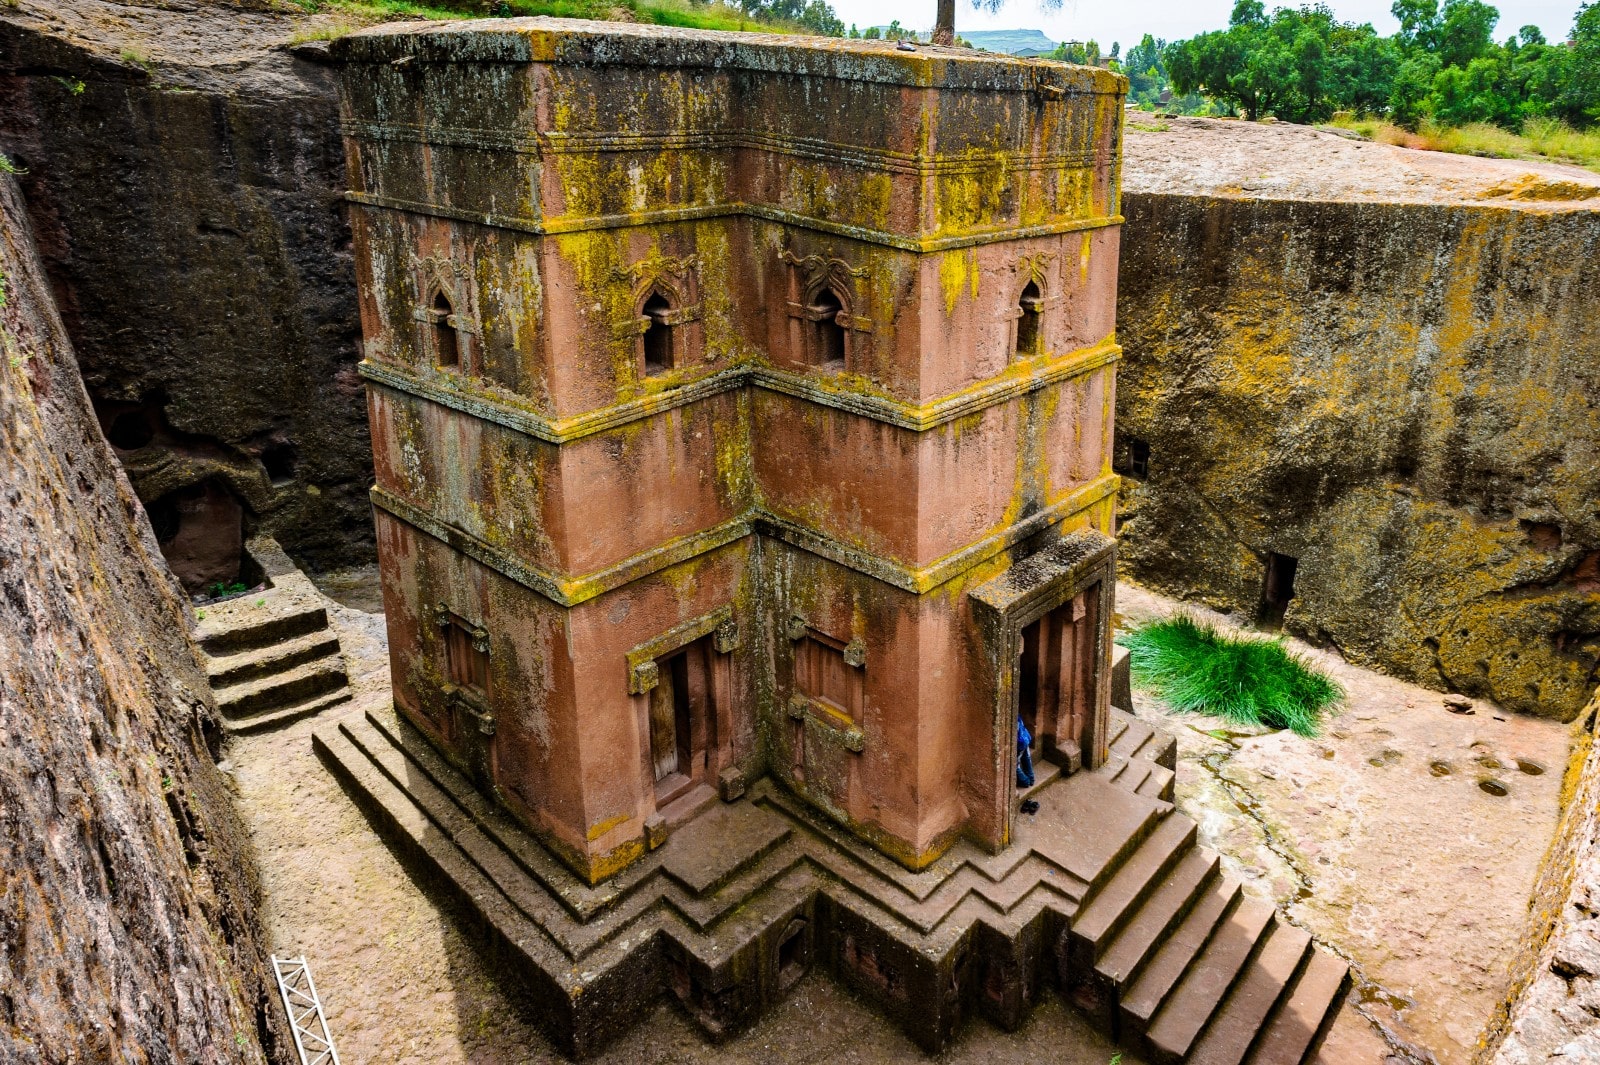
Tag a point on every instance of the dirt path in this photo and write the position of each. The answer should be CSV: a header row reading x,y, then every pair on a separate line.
x,y
1378,839
1420,879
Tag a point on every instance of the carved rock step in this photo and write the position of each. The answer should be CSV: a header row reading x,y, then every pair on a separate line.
x,y
1132,738
1125,958
1306,1013
272,658
287,715
1144,777
1139,877
1234,1027
1173,958
240,624
260,695
1189,1008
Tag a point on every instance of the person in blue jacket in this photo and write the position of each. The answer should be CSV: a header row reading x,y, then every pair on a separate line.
x,y
1024,755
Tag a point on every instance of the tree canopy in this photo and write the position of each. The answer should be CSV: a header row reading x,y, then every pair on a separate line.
x,y
1302,64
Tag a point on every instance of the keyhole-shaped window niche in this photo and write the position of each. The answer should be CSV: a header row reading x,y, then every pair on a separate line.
x,y
446,342
1032,306
657,335
827,331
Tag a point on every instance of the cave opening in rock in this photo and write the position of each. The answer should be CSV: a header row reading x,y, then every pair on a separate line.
x,y
1139,458
1277,588
280,459
201,532
130,430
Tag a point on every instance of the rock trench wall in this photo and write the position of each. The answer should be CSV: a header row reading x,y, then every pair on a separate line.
x,y
1553,1008
184,173
1402,398
128,929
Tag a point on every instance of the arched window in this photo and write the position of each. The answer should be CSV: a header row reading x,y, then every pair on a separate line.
x,y
1032,303
657,335
827,332
446,344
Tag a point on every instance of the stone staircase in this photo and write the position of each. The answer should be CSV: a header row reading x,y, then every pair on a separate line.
x,y
270,655
1175,960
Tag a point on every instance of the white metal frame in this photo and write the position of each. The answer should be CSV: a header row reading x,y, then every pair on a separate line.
x,y
300,1001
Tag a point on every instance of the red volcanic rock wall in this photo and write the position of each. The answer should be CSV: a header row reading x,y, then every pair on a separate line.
x,y
127,893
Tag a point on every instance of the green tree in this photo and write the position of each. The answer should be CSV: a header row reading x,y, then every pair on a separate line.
x,y
1579,98
1300,64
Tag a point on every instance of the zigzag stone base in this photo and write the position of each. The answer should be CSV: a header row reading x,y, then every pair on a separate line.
x,y
1103,894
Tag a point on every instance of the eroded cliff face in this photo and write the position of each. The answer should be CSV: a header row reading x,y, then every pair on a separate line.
x,y
1553,1007
127,915
1400,398
184,172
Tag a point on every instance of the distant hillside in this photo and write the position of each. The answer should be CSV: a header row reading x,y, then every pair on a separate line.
x,y
1009,41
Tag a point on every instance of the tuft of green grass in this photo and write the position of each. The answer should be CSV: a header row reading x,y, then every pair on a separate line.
x,y
1195,669
8,167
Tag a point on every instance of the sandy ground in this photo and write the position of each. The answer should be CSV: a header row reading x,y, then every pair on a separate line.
x,y
1421,880
1277,160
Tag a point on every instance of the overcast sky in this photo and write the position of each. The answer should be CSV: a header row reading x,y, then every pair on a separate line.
x,y
1127,20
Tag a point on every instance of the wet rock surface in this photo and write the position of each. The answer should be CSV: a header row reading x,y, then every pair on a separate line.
x,y
127,891
1377,838
184,174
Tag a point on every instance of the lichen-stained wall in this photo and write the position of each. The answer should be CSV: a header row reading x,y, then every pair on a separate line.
x,y
1403,398
887,372
128,928
184,183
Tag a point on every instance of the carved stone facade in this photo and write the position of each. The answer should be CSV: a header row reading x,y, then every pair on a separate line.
x,y
722,388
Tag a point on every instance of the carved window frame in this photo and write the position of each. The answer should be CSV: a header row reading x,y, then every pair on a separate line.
x,y
675,280
447,278
470,704
810,277
1032,270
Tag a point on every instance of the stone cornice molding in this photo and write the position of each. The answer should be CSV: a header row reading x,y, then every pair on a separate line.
x,y
569,591
698,212
458,393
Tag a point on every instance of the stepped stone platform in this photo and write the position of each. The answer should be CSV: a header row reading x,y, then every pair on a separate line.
x,y
1103,894
271,656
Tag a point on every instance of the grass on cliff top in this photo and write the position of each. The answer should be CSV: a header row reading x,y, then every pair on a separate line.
x,y
1541,138
713,15
1195,669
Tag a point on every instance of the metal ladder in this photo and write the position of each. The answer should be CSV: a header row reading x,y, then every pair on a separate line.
x,y
300,1002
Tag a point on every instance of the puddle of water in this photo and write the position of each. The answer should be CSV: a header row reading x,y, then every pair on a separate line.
x,y
1530,767
1440,769
1494,787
